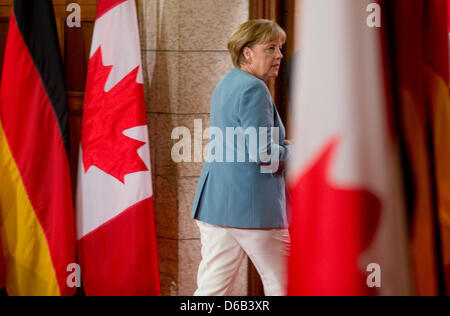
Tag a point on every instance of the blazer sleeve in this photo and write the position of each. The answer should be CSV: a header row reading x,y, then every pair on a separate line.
x,y
256,110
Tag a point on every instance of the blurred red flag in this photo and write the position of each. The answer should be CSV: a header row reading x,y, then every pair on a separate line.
x,y
448,14
348,227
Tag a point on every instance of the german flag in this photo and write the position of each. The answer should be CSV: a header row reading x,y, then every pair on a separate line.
x,y
419,49
438,99
36,210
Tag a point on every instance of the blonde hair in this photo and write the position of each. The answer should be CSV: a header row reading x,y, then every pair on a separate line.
x,y
251,33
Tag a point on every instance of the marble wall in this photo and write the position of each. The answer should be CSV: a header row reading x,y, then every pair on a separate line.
x,y
184,55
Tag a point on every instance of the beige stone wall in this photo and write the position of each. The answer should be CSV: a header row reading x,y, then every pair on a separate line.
x,y
184,54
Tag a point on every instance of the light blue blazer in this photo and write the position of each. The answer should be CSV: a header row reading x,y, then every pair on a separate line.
x,y
239,194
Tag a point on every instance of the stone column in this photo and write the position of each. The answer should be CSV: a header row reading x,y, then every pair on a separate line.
x,y
184,55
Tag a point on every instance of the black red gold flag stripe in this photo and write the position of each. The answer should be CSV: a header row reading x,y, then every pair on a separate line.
x,y
41,39
36,208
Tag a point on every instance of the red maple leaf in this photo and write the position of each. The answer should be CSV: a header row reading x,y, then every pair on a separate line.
x,y
331,227
106,115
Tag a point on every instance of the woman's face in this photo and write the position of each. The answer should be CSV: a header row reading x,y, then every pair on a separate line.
x,y
263,60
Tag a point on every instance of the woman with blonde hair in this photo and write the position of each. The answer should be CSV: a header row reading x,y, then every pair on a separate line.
x,y
240,206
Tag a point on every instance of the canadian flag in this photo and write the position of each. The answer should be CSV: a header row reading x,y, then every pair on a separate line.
x,y
115,222
348,227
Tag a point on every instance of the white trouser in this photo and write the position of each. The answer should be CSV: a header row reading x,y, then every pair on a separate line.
x,y
224,249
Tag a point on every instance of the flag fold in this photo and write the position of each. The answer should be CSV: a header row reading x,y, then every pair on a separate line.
x,y
36,212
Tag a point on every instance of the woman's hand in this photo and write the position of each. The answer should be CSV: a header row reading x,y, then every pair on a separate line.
x,y
287,143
